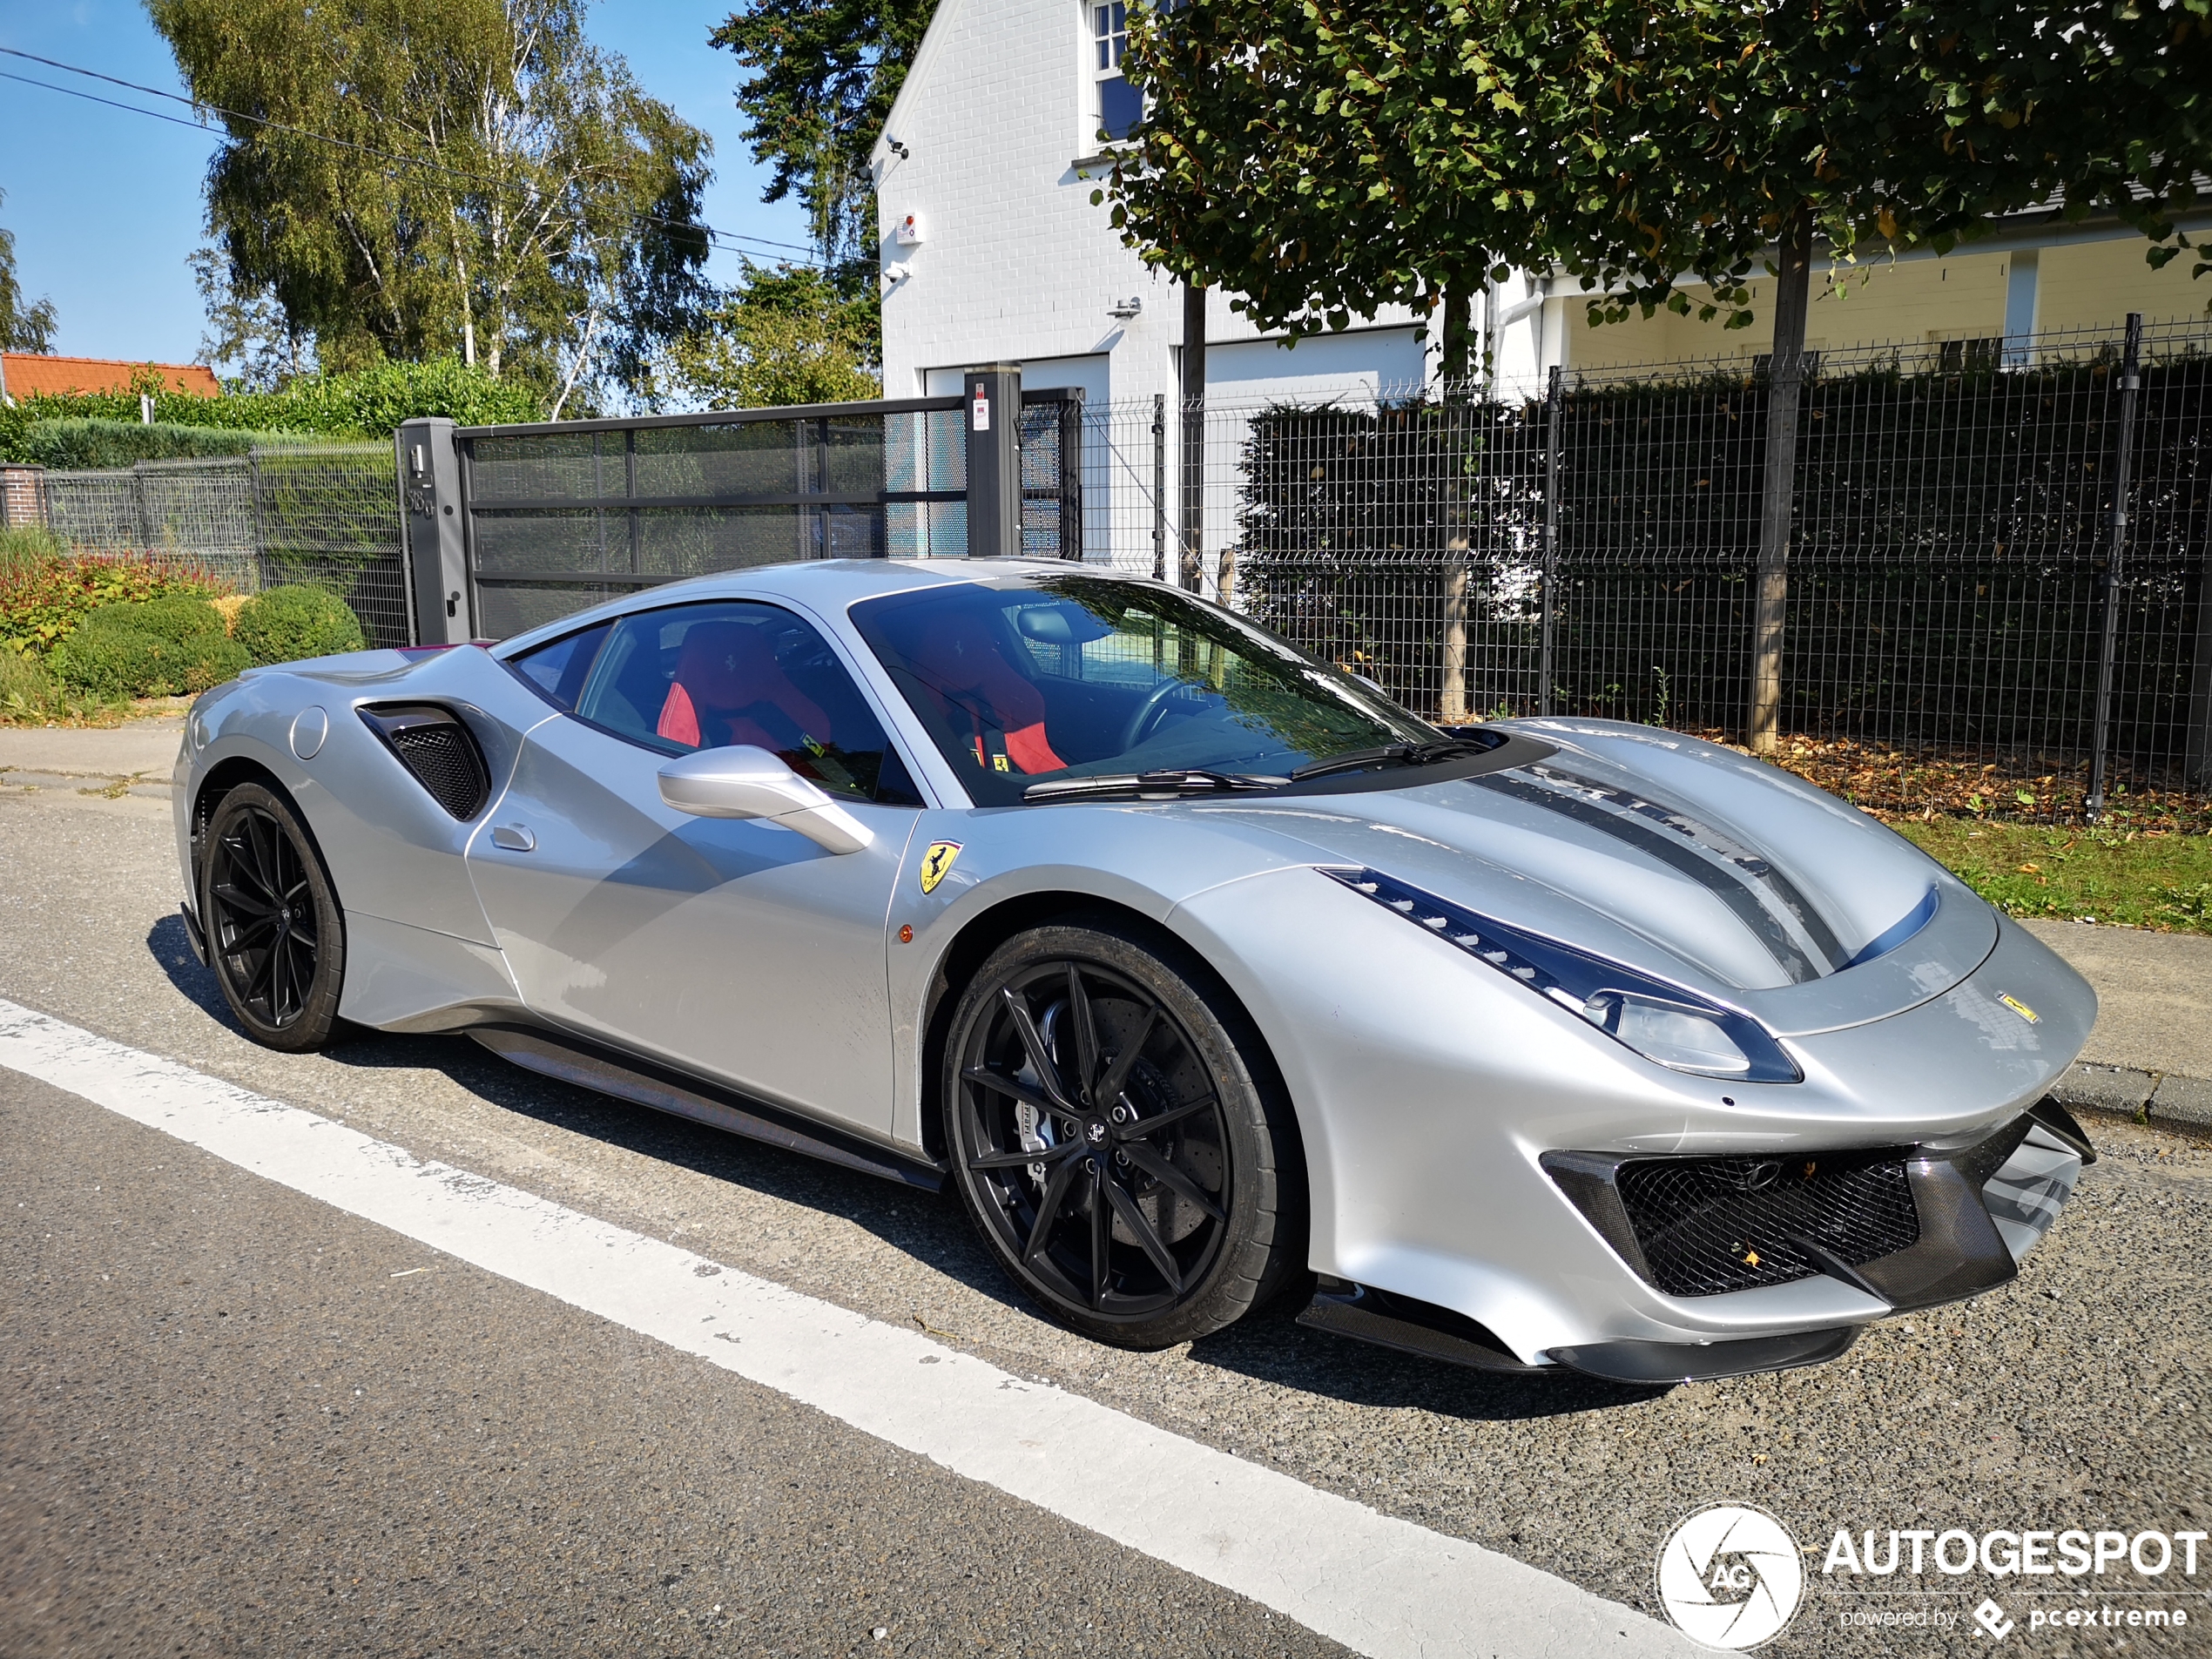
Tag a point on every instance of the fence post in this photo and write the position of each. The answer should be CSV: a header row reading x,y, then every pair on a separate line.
x,y
1159,487
431,508
1547,596
2196,764
2109,568
1194,434
993,394
1071,477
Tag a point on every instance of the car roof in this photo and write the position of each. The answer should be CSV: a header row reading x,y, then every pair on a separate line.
x,y
828,586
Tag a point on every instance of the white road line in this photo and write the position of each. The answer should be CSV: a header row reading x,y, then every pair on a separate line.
x,y
1382,1586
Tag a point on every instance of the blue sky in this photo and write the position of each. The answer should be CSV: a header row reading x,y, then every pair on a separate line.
x,y
106,206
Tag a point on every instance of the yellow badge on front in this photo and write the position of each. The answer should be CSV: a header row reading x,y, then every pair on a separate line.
x,y
937,863
2019,1007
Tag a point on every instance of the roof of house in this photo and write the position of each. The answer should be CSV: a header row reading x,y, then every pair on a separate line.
x,y
26,375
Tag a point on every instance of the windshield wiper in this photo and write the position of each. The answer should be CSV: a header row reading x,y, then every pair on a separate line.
x,y
1151,785
1395,754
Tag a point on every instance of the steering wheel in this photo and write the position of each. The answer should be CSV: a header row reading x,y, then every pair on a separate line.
x,y
1140,722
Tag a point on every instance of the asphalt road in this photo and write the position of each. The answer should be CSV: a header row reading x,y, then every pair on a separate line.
x,y
184,1465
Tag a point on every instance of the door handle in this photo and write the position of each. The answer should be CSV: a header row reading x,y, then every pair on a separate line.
x,y
514,838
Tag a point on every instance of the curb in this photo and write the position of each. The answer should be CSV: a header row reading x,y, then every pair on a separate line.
x,y
2155,1099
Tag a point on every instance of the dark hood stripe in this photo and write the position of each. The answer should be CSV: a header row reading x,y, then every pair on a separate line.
x,y
1677,854
1693,829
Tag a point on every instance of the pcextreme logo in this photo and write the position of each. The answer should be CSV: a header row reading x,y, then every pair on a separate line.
x,y
1730,1576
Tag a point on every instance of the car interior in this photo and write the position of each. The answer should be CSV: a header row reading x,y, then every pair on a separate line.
x,y
706,676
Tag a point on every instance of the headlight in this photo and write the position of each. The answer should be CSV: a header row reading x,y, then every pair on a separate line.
x,y
1676,1028
1685,1038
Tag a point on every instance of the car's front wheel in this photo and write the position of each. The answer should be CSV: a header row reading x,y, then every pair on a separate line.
x,y
275,936
1113,1136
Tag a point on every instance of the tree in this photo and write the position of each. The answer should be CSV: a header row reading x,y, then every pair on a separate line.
x,y
248,339
405,178
825,74
1333,158
785,335
1326,159
26,325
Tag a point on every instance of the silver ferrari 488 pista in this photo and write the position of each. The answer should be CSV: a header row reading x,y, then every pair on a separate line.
x,y
1201,970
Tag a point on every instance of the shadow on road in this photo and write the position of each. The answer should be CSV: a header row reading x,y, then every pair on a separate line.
x,y
1269,1346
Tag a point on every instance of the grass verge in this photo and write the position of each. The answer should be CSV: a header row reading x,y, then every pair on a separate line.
x,y
2137,877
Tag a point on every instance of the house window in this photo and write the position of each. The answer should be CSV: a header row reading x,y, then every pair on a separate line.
x,y
1967,356
1121,106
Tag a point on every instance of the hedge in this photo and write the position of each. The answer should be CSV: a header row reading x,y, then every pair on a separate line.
x,y
121,443
367,404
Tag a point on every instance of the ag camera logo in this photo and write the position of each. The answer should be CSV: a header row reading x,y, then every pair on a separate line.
x,y
1730,1576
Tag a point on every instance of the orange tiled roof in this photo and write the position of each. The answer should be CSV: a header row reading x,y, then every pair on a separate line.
x,y
28,376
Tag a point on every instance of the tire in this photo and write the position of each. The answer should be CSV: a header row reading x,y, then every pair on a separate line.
x,y
1140,1195
276,937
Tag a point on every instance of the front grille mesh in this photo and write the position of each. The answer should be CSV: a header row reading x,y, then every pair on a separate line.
x,y
443,758
1710,1225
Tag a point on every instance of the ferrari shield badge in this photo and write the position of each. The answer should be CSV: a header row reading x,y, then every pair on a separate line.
x,y
937,863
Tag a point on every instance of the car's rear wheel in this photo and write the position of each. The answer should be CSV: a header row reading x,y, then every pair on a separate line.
x,y
275,936
1112,1135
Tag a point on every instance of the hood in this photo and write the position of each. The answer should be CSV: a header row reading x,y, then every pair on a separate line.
x,y
1692,863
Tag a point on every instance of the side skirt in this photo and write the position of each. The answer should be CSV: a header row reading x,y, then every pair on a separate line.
x,y
626,1077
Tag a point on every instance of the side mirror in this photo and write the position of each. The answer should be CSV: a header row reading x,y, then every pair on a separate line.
x,y
748,782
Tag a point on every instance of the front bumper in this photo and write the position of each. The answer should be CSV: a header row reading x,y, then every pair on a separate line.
x,y
1981,1209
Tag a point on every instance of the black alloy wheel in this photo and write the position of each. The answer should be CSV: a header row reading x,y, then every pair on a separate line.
x,y
275,937
1110,1140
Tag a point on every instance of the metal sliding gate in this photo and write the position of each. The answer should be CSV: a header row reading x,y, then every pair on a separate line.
x,y
513,526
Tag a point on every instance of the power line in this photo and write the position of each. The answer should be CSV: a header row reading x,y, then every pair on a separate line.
x,y
725,238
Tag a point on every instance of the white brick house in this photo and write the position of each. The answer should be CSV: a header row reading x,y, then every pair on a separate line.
x,y
993,251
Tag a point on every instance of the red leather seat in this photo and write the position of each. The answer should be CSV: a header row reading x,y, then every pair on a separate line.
x,y
729,689
989,701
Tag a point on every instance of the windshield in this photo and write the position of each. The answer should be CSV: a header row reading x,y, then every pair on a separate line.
x,y
1026,680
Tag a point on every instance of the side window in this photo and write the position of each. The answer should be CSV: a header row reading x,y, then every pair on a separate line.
x,y
735,671
558,669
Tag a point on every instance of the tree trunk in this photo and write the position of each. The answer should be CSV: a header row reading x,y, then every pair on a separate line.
x,y
1194,434
1785,376
1456,368
1456,373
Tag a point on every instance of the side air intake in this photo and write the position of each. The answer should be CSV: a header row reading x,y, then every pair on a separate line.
x,y
442,753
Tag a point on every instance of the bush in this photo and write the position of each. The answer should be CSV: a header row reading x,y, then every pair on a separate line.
x,y
117,662
122,443
177,618
41,605
285,624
